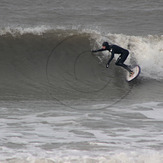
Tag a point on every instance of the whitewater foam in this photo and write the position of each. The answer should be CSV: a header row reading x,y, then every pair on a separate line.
x,y
122,157
147,52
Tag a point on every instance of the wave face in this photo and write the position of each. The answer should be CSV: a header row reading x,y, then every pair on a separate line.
x,y
44,63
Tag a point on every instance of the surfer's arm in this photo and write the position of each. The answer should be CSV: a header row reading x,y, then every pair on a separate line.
x,y
100,50
112,56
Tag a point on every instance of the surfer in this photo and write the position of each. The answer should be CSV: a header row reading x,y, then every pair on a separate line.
x,y
114,49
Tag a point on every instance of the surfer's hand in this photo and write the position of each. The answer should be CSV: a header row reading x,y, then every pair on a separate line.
x,y
93,51
107,65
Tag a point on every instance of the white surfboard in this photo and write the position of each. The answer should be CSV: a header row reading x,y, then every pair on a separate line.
x,y
136,71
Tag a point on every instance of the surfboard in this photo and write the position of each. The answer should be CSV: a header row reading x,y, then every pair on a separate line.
x,y
136,71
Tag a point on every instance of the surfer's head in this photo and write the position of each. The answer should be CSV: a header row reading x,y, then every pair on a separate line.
x,y
105,45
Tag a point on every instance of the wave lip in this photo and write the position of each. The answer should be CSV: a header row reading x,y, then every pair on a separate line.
x,y
39,30
20,30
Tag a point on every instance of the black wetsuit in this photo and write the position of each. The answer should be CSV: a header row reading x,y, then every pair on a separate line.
x,y
114,49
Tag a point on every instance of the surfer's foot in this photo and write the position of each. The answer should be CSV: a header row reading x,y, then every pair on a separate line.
x,y
131,73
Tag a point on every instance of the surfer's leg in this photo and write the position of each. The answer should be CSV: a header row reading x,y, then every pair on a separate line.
x,y
124,66
120,62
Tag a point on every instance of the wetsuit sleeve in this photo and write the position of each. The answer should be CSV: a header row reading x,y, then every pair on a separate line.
x,y
100,50
112,56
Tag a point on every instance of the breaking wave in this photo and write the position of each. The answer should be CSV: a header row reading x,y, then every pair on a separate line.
x,y
43,62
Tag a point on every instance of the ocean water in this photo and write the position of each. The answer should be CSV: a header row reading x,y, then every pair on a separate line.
x,y
58,102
